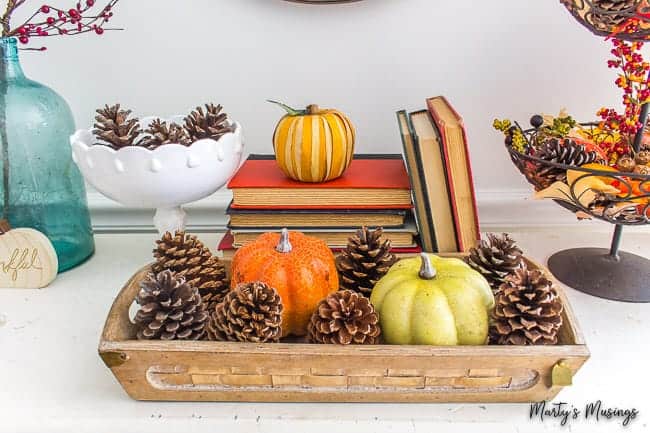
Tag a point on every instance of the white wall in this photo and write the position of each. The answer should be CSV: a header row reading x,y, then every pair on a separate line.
x,y
369,59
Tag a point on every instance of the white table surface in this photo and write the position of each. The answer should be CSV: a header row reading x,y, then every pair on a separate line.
x,y
52,380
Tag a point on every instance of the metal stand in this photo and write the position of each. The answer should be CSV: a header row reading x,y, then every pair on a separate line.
x,y
612,274
609,274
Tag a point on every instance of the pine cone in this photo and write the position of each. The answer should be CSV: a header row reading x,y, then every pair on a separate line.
x,y
252,312
364,261
211,123
188,257
114,128
344,317
161,133
170,309
528,310
565,151
496,258
611,13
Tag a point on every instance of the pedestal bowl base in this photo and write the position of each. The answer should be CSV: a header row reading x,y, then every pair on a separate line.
x,y
595,272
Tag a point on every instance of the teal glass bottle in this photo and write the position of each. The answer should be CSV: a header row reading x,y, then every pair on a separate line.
x,y
41,186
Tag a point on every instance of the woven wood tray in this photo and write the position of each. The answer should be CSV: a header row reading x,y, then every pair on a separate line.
x,y
222,371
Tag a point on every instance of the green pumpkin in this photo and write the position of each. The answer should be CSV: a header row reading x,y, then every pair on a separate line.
x,y
433,300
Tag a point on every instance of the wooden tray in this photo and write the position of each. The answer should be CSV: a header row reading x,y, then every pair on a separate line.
x,y
223,371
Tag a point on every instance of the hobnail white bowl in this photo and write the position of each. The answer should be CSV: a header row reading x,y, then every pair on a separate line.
x,y
164,178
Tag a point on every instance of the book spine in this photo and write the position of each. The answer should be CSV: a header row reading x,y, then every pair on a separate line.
x,y
425,222
470,173
462,243
450,178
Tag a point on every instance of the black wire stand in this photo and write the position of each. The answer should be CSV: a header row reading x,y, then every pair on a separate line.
x,y
606,273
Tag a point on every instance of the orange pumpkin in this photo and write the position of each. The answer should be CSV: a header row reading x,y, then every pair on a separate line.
x,y
301,268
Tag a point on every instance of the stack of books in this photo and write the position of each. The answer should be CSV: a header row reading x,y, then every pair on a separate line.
x,y
374,191
437,156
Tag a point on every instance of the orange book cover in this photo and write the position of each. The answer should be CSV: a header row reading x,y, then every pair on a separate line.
x,y
378,171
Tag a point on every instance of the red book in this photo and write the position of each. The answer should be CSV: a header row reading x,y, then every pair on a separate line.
x,y
371,182
459,171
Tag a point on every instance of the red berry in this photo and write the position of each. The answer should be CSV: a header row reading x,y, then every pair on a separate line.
x,y
90,3
50,20
23,39
45,9
22,31
99,30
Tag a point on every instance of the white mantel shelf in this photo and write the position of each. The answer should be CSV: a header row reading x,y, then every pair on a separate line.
x,y
52,380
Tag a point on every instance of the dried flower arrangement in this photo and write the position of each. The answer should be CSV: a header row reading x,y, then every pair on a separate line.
x,y
597,169
114,127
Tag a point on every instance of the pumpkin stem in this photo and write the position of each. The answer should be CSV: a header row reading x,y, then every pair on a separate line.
x,y
290,111
427,271
313,109
284,246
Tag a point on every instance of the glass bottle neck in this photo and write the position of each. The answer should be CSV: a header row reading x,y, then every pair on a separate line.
x,y
9,62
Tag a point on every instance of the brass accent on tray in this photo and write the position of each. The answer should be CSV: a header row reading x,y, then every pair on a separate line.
x,y
561,374
114,359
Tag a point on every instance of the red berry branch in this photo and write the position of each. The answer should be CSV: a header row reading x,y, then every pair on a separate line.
x,y
50,20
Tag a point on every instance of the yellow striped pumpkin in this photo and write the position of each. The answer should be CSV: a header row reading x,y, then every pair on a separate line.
x,y
313,145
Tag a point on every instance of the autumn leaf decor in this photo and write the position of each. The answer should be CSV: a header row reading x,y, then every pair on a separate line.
x,y
599,169
613,135
596,168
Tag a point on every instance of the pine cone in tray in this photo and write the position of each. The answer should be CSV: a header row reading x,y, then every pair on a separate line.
x,y
114,128
188,257
610,13
344,317
170,309
211,123
364,261
496,258
160,132
562,151
528,310
252,312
